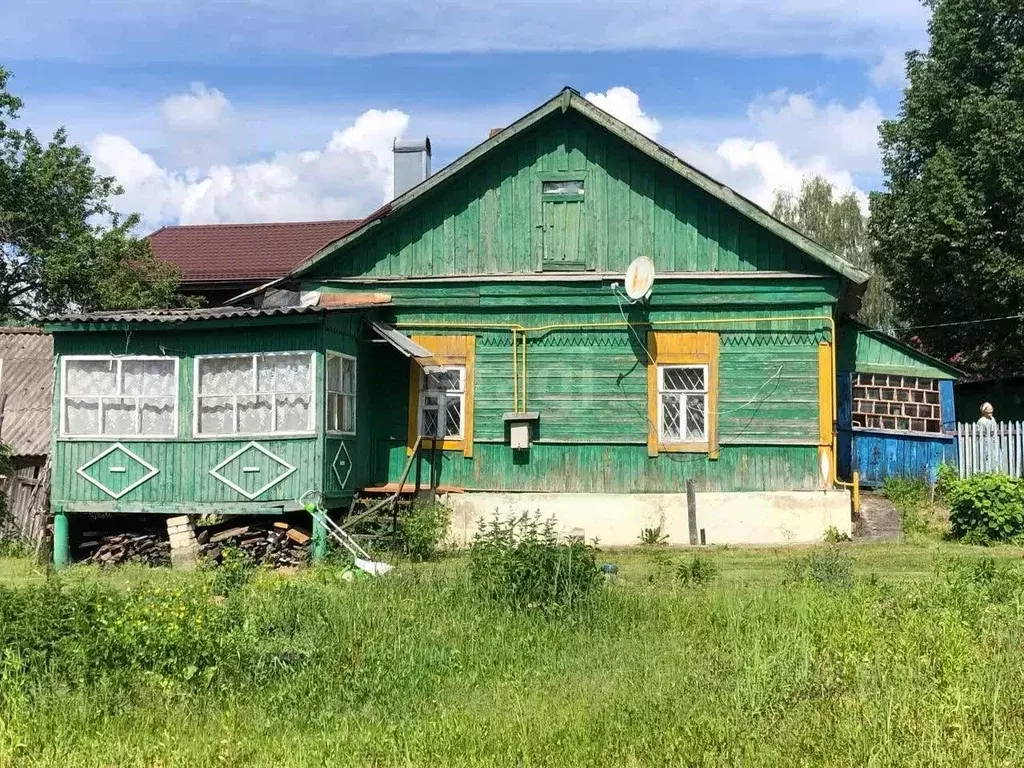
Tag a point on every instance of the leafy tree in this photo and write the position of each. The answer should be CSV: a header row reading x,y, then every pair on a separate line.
x,y
837,223
62,245
949,225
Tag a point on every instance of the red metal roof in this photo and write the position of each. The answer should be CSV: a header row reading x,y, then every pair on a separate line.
x,y
243,252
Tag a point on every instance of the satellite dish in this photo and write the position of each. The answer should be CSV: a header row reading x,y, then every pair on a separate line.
x,y
640,278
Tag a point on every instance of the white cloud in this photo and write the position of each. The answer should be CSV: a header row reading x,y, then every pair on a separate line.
x,y
346,178
191,30
624,104
198,124
785,138
891,69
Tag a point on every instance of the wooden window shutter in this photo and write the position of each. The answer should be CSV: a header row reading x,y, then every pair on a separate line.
x,y
447,350
683,348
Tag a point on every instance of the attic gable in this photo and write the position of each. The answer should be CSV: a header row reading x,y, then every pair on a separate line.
x,y
490,212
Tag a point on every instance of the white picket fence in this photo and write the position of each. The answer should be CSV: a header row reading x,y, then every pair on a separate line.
x,y
996,448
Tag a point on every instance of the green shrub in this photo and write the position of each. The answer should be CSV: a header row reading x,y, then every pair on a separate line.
x,y
986,508
521,563
830,568
423,530
834,536
233,573
653,536
698,571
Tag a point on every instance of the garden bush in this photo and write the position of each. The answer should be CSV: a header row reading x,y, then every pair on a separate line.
x,y
523,564
698,571
986,508
829,568
423,530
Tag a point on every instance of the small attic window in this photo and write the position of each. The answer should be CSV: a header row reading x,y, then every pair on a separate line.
x,y
572,188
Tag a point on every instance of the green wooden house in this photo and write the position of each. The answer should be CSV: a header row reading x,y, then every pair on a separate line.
x,y
477,327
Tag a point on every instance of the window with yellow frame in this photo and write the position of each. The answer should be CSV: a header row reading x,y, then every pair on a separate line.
x,y
441,394
682,393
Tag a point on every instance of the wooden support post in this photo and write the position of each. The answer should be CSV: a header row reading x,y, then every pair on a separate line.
x,y
691,511
61,541
319,540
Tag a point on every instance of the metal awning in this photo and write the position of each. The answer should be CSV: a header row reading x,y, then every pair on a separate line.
x,y
401,342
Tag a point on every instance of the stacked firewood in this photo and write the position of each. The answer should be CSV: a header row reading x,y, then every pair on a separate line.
x,y
145,548
276,544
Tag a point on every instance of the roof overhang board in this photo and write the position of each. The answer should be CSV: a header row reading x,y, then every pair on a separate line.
x,y
569,99
406,346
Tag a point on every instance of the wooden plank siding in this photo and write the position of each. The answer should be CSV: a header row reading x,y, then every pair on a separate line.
x,y
184,462
490,219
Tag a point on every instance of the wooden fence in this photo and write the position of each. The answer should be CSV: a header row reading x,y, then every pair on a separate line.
x,y
995,448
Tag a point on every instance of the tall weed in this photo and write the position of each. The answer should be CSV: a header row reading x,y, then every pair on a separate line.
x,y
523,564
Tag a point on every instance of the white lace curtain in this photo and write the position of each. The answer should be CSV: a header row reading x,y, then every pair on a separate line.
x,y
120,397
255,394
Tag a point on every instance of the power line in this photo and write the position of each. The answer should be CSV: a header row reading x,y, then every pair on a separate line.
x,y
961,322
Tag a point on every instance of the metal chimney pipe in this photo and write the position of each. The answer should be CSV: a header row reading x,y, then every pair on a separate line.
x,y
412,163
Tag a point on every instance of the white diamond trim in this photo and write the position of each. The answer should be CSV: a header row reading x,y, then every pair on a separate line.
x,y
348,462
153,471
273,457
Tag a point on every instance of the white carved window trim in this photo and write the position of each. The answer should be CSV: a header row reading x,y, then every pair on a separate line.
x,y
682,397
255,356
443,395
119,384
341,395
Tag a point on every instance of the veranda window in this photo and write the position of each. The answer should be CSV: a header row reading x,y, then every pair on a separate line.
x,y
341,393
119,397
898,403
442,402
259,394
682,403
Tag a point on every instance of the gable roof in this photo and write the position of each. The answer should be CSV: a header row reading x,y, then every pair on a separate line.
x,y
207,253
568,99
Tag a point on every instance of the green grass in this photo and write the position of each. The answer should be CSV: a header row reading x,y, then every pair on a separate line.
x,y
906,668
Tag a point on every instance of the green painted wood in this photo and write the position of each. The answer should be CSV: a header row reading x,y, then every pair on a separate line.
x,y
633,206
868,351
601,468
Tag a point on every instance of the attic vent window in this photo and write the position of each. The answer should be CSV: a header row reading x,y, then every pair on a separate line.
x,y
562,189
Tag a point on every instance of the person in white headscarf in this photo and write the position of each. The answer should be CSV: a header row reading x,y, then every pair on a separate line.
x,y
989,443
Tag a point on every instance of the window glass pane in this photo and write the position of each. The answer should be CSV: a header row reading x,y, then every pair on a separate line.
x,y
91,377
348,378
444,381
334,373
563,187
348,422
147,377
333,411
453,416
119,416
225,375
695,418
671,418
158,416
255,414
429,421
216,416
292,413
683,379
283,373
82,417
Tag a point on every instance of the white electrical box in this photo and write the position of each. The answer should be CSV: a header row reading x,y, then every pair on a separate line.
x,y
519,435
522,429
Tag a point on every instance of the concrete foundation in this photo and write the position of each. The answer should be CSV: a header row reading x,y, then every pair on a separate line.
x,y
616,520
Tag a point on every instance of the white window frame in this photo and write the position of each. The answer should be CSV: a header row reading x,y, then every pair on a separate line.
x,y
118,359
196,395
684,396
354,394
442,404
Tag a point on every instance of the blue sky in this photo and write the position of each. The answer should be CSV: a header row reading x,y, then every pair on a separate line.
x,y
256,110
